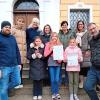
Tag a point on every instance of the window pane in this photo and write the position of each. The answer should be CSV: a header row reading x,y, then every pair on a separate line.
x,y
78,14
27,6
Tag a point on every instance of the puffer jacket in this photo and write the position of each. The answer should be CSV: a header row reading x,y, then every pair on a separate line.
x,y
95,51
20,36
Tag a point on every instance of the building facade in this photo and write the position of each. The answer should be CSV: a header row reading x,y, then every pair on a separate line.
x,y
51,11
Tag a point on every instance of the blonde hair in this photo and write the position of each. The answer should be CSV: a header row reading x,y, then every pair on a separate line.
x,y
36,20
58,41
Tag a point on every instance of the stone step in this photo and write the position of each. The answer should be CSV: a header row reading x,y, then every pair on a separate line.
x,y
25,93
28,86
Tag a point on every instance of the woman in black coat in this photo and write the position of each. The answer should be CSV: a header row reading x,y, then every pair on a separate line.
x,y
37,66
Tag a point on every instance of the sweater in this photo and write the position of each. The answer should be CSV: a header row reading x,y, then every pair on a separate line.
x,y
9,52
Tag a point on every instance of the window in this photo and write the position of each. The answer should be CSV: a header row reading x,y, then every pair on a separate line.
x,y
78,14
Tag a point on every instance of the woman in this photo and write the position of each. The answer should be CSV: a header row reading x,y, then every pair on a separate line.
x,y
45,35
65,35
32,31
82,38
20,35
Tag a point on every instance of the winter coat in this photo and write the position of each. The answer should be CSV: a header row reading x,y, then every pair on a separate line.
x,y
64,38
37,65
95,51
85,47
20,36
31,33
9,51
73,50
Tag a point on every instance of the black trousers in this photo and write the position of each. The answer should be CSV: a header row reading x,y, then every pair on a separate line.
x,y
37,87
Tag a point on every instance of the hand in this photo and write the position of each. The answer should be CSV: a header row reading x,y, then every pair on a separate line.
x,y
39,55
59,61
20,67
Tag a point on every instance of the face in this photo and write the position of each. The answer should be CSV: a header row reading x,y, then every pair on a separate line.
x,y
54,38
20,22
93,30
34,24
64,27
6,30
38,42
72,42
80,26
47,29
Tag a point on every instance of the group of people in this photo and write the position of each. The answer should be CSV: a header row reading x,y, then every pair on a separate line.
x,y
81,54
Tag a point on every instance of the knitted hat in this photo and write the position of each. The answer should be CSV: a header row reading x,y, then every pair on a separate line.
x,y
5,23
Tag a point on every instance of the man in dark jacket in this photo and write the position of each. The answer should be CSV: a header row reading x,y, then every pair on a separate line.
x,y
93,76
10,61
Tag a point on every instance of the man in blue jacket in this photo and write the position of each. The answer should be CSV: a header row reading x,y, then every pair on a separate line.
x,y
93,76
10,61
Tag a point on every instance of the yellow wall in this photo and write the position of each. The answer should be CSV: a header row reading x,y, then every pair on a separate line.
x,y
95,9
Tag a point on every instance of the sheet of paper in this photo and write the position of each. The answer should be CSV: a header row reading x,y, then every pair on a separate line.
x,y
58,52
72,60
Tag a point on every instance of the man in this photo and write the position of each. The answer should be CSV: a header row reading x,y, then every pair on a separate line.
x,y
10,61
93,76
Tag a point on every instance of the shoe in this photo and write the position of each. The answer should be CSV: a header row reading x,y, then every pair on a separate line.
x,y
71,97
81,85
98,88
53,97
34,97
39,97
76,97
19,86
58,96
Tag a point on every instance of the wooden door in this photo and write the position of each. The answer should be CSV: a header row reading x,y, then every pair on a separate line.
x,y
28,9
27,16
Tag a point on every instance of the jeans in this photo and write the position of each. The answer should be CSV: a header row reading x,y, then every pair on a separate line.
x,y
8,73
37,87
54,76
93,77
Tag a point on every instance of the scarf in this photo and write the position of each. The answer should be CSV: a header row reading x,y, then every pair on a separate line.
x,y
79,38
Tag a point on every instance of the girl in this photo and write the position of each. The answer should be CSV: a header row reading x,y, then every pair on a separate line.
x,y
54,66
37,66
73,57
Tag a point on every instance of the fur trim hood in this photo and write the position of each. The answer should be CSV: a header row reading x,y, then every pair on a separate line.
x,y
32,45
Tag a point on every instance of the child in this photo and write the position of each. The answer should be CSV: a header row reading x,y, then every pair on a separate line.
x,y
54,66
73,57
37,66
